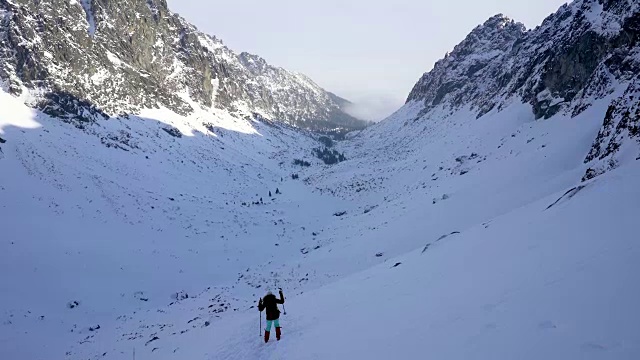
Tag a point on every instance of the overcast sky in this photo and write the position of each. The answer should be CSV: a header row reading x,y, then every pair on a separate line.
x,y
371,52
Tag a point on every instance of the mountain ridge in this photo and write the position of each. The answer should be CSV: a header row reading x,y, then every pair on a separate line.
x,y
122,62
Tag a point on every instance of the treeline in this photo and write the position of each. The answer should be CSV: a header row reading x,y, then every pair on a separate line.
x,y
329,156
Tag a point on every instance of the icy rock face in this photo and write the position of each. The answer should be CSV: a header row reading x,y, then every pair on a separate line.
x,y
145,57
582,53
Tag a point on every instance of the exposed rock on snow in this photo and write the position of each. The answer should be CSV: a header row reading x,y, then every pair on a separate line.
x,y
619,138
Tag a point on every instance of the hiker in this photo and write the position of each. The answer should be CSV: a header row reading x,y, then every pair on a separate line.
x,y
270,303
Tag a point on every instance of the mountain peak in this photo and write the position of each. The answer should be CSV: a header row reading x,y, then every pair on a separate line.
x,y
497,33
498,20
496,25
486,42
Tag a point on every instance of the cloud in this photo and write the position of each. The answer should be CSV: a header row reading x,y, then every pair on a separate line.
x,y
373,107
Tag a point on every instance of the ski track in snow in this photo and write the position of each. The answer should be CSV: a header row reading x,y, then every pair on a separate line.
x,y
149,235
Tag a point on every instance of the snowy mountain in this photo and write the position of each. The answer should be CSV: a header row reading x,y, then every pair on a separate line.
x,y
582,53
574,55
493,216
75,55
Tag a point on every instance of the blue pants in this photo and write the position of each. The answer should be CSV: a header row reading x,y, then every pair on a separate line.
x,y
271,322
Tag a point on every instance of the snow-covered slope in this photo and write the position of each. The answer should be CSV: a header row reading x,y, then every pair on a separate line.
x,y
540,282
145,233
444,234
124,216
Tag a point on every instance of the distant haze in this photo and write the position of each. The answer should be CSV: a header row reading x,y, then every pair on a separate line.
x,y
370,52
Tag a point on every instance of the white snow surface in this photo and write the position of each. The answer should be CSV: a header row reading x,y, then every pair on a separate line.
x,y
462,239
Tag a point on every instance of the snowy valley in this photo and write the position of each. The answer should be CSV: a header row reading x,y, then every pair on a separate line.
x,y
493,216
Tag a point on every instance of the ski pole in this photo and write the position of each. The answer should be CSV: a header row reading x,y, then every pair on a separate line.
x,y
260,329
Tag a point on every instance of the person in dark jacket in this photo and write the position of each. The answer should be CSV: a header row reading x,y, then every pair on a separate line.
x,y
270,303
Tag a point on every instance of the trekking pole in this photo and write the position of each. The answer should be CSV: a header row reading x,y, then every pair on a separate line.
x,y
283,308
